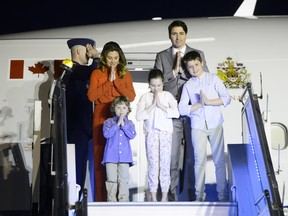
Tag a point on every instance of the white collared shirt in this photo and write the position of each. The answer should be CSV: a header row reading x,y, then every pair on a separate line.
x,y
213,87
182,51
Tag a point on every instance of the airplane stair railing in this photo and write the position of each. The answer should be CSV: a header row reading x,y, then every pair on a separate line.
x,y
250,166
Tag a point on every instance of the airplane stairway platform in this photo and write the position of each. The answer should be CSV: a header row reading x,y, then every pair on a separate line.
x,y
162,208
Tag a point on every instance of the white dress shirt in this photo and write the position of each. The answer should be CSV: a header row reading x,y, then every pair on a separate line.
x,y
209,115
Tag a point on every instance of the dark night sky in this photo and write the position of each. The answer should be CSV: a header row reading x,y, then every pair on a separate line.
x,y
35,15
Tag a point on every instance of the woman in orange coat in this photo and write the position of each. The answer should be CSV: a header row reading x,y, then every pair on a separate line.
x,y
110,80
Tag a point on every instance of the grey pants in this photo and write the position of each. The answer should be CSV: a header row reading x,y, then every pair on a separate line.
x,y
117,181
182,136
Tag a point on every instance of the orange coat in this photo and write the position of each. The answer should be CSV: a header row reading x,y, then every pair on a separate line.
x,y
102,92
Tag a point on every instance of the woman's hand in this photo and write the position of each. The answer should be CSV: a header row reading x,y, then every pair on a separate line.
x,y
112,75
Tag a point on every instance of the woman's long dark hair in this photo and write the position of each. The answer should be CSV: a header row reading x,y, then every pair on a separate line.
x,y
109,47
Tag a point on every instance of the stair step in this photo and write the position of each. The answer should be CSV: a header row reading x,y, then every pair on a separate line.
x,y
162,208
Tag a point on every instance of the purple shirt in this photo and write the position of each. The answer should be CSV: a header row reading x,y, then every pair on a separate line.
x,y
117,148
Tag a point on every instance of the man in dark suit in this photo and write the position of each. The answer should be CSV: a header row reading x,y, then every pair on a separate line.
x,y
170,63
79,110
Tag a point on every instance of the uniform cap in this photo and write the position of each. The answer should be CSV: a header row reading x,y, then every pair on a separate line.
x,y
80,41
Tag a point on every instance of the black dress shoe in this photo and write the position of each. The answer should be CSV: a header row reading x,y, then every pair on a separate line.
x,y
172,197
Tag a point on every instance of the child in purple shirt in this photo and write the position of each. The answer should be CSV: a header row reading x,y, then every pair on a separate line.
x,y
118,131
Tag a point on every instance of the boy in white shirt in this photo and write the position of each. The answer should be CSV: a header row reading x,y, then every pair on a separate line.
x,y
201,99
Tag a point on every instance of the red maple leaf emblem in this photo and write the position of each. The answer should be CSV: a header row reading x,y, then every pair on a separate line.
x,y
38,68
